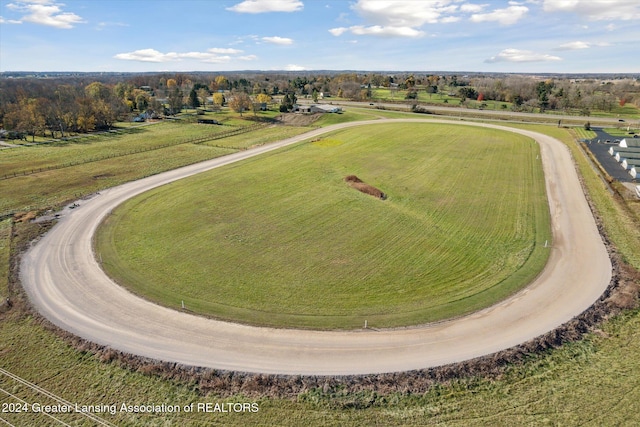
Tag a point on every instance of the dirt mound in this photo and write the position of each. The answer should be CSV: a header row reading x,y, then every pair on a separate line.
x,y
295,119
358,184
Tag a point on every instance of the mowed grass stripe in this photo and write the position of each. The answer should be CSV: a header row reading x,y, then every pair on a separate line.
x,y
90,148
282,240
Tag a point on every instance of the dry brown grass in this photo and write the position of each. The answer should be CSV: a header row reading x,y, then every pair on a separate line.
x,y
25,216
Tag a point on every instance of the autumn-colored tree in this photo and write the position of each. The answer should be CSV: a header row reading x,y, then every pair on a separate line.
x,y
410,81
480,97
32,117
97,90
175,100
171,83
85,119
263,98
141,99
222,82
203,94
218,99
240,102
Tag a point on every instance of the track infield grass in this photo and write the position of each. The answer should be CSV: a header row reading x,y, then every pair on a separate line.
x,y
281,240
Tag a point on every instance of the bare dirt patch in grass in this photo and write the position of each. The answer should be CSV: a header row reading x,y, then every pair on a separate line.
x,y
292,119
363,187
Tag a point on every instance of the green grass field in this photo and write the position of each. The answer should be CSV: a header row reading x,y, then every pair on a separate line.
x,y
593,382
98,147
283,241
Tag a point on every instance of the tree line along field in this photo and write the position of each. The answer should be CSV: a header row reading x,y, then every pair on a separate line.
x,y
284,241
452,98
64,105
591,382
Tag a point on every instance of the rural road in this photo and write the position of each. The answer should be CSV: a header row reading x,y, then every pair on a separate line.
x,y
66,285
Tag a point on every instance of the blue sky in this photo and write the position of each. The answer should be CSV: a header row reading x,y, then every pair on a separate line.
x,y
554,36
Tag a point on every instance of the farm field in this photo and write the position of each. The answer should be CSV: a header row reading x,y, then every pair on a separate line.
x,y
591,382
103,146
444,99
283,241
50,174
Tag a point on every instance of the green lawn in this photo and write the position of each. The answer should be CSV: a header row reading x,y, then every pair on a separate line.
x,y
102,146
262,136
593,382
282,240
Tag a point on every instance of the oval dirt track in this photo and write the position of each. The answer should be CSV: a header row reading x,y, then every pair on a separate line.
x,y
67,286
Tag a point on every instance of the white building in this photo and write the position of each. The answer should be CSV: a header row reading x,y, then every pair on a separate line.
x,y
630,143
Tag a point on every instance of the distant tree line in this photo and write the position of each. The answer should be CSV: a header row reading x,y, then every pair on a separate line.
x,y
79,103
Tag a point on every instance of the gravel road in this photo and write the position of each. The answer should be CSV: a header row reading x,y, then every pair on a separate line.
x,y
66,285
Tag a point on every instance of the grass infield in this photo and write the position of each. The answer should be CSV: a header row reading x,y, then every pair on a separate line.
x,y
282,240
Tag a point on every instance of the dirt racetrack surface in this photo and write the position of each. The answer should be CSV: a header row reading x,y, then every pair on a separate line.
x,y
67,286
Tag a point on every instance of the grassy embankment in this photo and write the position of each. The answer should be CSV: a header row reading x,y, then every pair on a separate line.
x,y
591,383
283,241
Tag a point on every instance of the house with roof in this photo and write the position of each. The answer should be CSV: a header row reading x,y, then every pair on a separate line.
x,y
630,143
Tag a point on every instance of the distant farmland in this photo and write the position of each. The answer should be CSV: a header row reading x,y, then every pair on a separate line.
x,y
282,240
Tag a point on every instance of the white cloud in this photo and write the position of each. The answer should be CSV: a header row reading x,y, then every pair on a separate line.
x,y
516,55
294,67
102,25
450,19
574,46
508,16
377,30
278,40
9,21
338,31
222,50
577,45
263,6
248,58
596,10
213,55
405,13
387,31
472,8
404,18
144,55
45,12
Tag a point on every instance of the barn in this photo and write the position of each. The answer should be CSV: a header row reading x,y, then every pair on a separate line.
x,y
623,154
630,143
631,161
324,108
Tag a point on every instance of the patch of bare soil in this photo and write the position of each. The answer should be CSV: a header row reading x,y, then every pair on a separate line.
x,y
358,184
297,119
104,175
